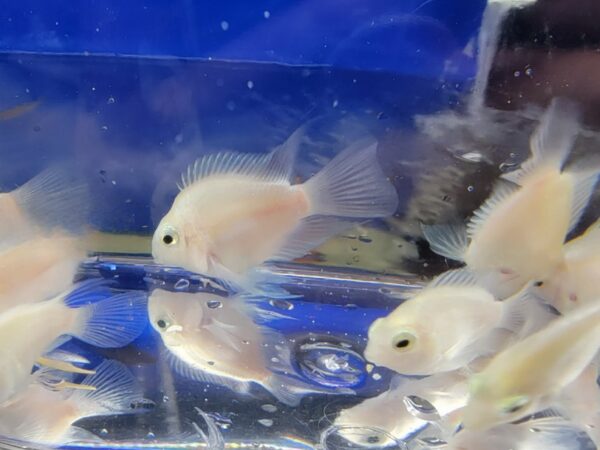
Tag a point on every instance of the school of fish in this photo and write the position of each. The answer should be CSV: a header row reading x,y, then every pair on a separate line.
x,y
506,343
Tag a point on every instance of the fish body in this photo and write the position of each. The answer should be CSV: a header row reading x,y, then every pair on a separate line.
x,y
527,376
416,339
40,415
236,211
31,329
215,340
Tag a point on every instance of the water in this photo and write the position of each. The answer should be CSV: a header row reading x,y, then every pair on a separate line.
x,y
131,124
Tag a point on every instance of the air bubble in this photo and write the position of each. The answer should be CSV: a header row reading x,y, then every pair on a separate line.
x,y
330,364
281,304
470,188
266,14
103,432
150,435
517,73
267,407
250,84
529,72
214,304
110,100
420,408
224,25
182,284
364,238
266,422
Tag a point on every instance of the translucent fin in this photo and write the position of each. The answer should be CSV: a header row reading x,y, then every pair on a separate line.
x,y
552,140
449,240
502,191
224,333
458,277
284,383
310,233
114,322
524,313
62,365
586,178
56,198
69,357
202,376
214,440
275,167
79,435
352,185
116,391
87,292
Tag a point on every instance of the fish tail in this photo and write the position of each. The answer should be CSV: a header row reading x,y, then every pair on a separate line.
x,y
116,391
113,322
352,185
55,198
552,140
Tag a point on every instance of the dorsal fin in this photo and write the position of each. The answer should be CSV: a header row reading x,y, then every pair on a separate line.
x,y
458,277
502,190
275,167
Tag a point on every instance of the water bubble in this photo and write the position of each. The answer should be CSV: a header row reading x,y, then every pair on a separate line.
x,y
266,14
210,363
150,435
266,422
231,105
104,127
250,84
182,284
474,157
529,72
224,25
267,407
517,73
385,291
337,437
432,442
470,188
281,304
165,398
103,432
376,376
214,304
365,238
335,103
330,364
355,258
420,408
245,342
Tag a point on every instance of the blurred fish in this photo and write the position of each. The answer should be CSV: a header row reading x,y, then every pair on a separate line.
x,y
40,415
54,200
416,339
530,375
214,340
393,412
19,110
575,280
236,211
33,329
517,234
38,268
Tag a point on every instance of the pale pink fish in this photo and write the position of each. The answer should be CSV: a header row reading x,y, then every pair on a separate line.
x,y
517,235
236,211
42,416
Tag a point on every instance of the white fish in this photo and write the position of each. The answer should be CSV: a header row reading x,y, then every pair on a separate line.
x,y
575,280
531,374
54,200
236,211
38,268
40,415
214,340
33,329
444,327
378,421
517,235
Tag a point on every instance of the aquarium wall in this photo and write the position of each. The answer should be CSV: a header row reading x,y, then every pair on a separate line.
x,y
218,219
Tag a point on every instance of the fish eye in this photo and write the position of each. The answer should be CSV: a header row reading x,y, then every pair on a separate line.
x,y
162,324
403,341
538,283
515,405
170,236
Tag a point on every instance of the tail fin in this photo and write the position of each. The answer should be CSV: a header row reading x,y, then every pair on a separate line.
x,y
114,322
117,391
552,140
352,185
55,198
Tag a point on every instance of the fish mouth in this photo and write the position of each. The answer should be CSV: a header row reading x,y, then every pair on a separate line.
x,y
172,335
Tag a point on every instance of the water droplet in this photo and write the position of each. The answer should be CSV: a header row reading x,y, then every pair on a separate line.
x,y
224,25
267,407
335,103
385,291
281,304
356,258
244,341
150,435
529,72
330,364
266,422
182,284
376,376
250,84
474,157
214,304
365,238
266,14
470,188
231,105
110,100
165,398
420,408
104,127
337,437
517,73
103,432
210,363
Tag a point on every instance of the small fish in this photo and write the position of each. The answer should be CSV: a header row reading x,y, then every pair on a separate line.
x,y
236,211
40,415
518,233
214,340
19,110
416,339
392,412
54,200
530,375
38,269
575,280
32,329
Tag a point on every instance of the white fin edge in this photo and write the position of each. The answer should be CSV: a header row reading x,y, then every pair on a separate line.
x,y
448,240
502,191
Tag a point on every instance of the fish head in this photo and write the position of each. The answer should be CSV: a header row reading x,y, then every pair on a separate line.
x,y
172,313
180,243
488,407
403,347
